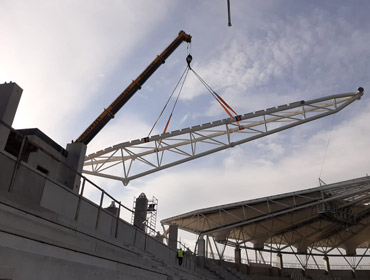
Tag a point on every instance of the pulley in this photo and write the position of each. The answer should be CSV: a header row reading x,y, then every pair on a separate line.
x,y
189,58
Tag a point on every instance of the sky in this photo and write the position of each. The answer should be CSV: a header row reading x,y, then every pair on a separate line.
x,y
73,58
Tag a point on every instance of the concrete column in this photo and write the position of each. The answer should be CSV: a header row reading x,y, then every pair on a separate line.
x,y
141,208
172,236
75,160
326,264
10,95
237,255
201,247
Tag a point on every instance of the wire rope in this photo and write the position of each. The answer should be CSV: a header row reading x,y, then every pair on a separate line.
x,y
219,99
327,145
174,90
181,81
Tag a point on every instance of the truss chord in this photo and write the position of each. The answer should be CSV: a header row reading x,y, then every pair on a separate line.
x,y
236,130
209,135
273,215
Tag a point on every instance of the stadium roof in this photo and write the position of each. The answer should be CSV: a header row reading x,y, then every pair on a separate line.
x,y
330,216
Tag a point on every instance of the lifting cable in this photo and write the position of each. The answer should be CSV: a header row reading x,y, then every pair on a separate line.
x,y
182,78
219,99
181,82
327,146
215,95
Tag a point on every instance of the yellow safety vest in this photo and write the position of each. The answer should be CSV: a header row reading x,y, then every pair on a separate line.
x,y
180,253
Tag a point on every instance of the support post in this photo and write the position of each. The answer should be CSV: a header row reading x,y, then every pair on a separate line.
x,y
237,255
279,263
172,236
10,95
326,264
201,247
201,250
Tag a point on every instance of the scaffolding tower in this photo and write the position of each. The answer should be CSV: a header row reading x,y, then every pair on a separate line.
x,y
151,215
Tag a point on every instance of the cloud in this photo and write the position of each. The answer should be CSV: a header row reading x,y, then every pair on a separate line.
x,y
240,174
298,57
73,59
121,129
59,51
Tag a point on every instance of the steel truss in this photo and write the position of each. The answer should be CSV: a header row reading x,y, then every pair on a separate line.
x,y
131,160
330,221
312,259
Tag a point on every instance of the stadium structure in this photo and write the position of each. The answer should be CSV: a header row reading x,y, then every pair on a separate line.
x,y
314,226
52,228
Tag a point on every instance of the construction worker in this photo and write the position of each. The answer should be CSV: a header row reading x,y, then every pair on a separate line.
x,y
180,255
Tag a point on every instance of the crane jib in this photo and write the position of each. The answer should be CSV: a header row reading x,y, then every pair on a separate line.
x,y
97,125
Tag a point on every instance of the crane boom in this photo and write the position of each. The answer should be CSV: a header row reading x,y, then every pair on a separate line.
x,y
117,104
132,160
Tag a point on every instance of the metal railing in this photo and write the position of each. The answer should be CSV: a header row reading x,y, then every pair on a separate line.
x,y
297,265
85,182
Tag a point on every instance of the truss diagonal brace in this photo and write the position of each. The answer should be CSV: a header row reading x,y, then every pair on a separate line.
x,y
184,145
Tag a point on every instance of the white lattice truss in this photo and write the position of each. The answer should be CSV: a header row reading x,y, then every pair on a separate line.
x,y
330,220
131,160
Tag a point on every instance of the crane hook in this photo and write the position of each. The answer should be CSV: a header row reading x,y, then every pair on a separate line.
x,y
189,58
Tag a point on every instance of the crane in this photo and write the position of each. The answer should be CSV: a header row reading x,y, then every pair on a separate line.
x,y
98,124
141,157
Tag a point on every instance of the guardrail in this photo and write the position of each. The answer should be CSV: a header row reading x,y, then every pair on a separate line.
x,y
297,265
106,211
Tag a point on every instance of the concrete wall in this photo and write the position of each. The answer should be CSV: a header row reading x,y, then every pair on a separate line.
x,y
7,164
85,218
43,262
32,247
53,198
79,215
39,245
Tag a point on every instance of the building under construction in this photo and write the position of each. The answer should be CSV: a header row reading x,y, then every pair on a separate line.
x,y
52,229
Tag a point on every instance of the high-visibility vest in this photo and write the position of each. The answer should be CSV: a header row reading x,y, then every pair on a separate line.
x,y
180,253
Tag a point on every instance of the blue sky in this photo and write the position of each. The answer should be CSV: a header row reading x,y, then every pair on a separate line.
x,y
72,59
